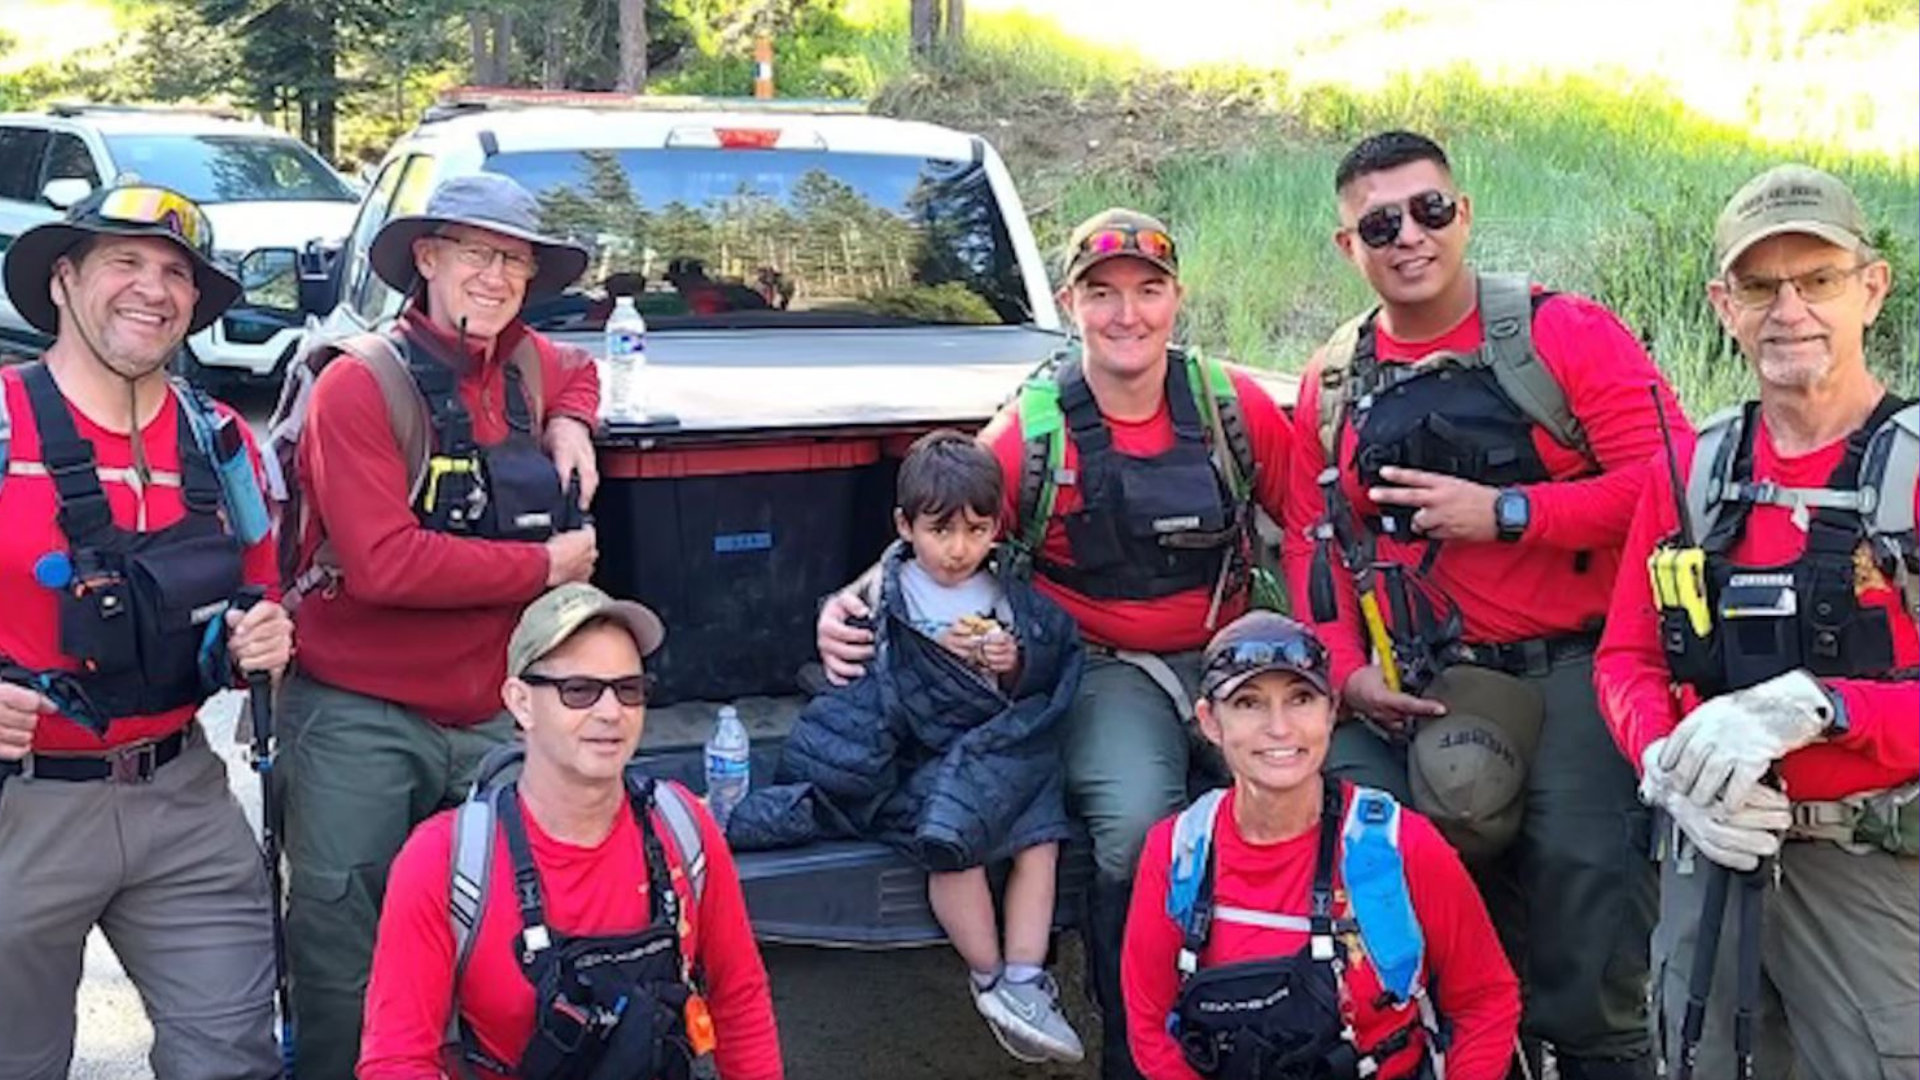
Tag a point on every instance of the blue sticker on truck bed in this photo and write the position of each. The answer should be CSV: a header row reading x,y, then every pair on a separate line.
x,y
728,543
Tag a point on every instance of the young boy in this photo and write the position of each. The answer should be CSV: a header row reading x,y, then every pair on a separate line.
x,y
946,510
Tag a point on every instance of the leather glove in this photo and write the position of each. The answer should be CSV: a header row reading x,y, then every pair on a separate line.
x,y
1736,836
1732,740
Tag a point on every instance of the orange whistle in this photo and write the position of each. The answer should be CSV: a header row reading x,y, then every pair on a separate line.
x,y
699,1026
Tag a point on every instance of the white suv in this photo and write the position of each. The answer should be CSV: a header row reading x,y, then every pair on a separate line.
x,y
261,188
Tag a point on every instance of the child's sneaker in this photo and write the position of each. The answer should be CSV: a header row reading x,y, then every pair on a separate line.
x,y
1027,1019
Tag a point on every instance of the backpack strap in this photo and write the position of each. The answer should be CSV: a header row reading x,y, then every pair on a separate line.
x,y
6,432
383,356
1043,453
1506,320
1190,877
1336,367
1376,881
1891,469
240,489
1713,453
1223,420
676,810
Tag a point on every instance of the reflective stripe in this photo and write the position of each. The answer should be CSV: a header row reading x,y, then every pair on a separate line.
x,y
1265,920
106,473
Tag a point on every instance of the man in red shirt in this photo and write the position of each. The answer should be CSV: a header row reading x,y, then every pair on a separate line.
x,y
1490,440
413,566
130,519
608,883
1144,545
1797,682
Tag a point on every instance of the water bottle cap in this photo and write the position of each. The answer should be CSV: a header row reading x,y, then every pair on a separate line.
x,y
54,570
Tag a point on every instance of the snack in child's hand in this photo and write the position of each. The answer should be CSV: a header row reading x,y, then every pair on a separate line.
x,y
976,625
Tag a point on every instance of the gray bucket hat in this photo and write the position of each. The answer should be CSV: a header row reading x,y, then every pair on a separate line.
x,y
484,201
1468,769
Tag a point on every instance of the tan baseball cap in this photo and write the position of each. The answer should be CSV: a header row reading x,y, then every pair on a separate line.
x,y
1788,199
1134,235
559,612
1468,769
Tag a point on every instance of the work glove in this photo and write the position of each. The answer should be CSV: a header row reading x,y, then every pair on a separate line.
x,y
1734,835
1732,740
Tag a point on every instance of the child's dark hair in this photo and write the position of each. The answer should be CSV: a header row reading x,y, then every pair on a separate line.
x,y
945,472
1387,150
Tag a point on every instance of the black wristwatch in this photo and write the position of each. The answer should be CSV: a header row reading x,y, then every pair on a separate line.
x,y
1511,513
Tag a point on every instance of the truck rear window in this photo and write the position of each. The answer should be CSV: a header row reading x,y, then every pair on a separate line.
x,y
769,238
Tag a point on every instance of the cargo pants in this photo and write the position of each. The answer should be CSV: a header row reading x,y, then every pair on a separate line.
x,y
1574,898
1130,749
357,774
1839,983
170,872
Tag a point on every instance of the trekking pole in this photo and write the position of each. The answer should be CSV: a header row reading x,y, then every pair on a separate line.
x,y
1752,898
1706,949
260,704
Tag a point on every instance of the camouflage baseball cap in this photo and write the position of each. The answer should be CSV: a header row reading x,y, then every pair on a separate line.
x,y
561,611
1261,641
1468,769
1788,199
1116,233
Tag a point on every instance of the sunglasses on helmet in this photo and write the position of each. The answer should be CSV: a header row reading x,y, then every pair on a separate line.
x,y
1151,243
1431,210
158,208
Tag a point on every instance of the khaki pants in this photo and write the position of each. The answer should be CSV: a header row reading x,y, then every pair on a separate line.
x,y
358,774
1574,898
1839,966
170,872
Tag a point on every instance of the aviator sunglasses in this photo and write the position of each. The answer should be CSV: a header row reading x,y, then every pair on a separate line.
x,y
1431,210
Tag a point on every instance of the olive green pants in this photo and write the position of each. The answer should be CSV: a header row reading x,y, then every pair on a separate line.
x,y
357,775
1839,982
1574,898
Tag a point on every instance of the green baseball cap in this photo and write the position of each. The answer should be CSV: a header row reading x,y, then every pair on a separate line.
x,y
1116,233
1788,199
561,611
1468,769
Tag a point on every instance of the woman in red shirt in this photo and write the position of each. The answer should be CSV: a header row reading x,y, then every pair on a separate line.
x,y
1257,946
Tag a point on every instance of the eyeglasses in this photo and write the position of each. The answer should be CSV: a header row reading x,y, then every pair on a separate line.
x,y
480,257
1152,243
154,207
1301,653
584,691
1432,210
1813,286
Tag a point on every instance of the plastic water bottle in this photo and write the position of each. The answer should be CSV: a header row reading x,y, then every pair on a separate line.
x,y
727,765
625,384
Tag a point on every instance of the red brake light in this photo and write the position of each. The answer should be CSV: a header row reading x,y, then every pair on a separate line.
x,y
748,138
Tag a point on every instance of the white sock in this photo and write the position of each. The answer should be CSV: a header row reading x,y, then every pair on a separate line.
x,y
983,980
1022,973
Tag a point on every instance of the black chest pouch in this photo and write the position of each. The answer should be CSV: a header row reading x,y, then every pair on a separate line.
x,y
1451,420
523,491
507,491
1264,1020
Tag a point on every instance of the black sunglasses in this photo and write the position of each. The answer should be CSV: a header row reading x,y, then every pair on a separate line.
x,y
1432,210
1301,653
582,691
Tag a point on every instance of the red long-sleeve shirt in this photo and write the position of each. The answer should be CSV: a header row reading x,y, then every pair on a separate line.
x,y
1170,623
601,890
1882,746
420,618
1474,987
1530,588
30,630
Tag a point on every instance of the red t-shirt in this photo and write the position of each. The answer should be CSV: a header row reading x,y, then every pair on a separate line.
x,y
413,601
1882,746
601,890
1170,623
1474,987
1499,586
30,632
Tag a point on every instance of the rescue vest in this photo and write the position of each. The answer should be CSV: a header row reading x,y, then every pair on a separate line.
x,y
1147,527
142,614
1290,1018
1742,624
508,491
605,1007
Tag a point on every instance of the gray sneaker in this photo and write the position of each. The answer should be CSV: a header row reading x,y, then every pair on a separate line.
x,y
1027,1019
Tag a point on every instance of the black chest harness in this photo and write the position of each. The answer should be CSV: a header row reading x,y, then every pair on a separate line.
x,y
141,613
507,491
1147,527
1757,622
617,1007
1286,1018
